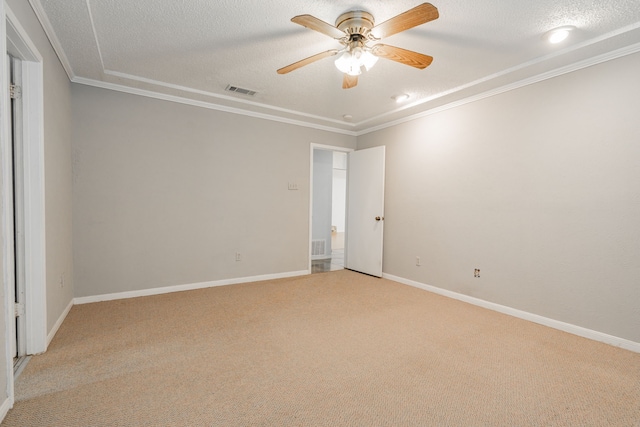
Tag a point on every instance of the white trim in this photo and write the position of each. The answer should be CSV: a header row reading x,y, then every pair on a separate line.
x,y
167,85
533,79
15,34
628,50
188,287
7,227
55,328
34,206
57,46
525,315
20,330
53,38
34,185
223,97
609,56
208,105
95,33
7,404
331,148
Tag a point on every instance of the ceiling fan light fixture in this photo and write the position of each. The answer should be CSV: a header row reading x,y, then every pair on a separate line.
x,y
354,30
354,58
559,34
368,60
343,61
347,64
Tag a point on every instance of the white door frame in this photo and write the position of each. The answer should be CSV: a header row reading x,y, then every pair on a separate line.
x,y
314,146
15,71
14,37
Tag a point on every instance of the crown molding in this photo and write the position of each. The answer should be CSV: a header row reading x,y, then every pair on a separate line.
x,y
225,97
609,56
207,105
310,120
53,38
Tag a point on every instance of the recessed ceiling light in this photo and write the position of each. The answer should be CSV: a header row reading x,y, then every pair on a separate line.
x,y
559,34
400,98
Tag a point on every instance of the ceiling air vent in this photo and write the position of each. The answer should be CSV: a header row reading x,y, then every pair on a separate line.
x,y
240,90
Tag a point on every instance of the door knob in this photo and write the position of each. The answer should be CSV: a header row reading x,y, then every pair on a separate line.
x,y
378,218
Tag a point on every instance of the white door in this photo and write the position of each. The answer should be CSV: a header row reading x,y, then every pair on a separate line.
x,y
365,211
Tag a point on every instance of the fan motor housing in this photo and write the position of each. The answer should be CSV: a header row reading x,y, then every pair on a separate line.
x,y
355,22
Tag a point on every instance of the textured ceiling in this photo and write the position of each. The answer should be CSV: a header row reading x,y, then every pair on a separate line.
x,y
191,50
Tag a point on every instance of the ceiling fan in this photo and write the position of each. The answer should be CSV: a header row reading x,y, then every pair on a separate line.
x,y
354,30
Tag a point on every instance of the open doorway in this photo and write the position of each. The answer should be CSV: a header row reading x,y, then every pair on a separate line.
x,y
328,208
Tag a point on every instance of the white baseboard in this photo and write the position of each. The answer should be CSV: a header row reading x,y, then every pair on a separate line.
x,y
189,287
556,324
4,408
55,328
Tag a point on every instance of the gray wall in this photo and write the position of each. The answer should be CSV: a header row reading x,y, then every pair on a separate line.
x,y
165,194
539,188
57,159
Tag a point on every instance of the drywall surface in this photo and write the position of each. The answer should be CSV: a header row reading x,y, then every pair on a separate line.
x,y
539,188
165,194
57,167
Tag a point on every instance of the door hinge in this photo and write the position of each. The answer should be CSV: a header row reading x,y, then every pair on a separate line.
x,y
19,309
15,92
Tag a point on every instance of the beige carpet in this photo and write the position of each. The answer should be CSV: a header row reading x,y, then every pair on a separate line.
x,y
331,349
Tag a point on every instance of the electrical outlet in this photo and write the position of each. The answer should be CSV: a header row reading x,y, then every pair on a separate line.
x,y
418,261
238,256
62,280
476,272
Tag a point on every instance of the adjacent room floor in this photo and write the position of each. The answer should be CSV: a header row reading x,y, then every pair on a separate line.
x,y
336,262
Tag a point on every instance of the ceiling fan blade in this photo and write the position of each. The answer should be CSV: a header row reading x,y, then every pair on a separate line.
x,y
318,25
349,81
307,61
403,56
413,17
